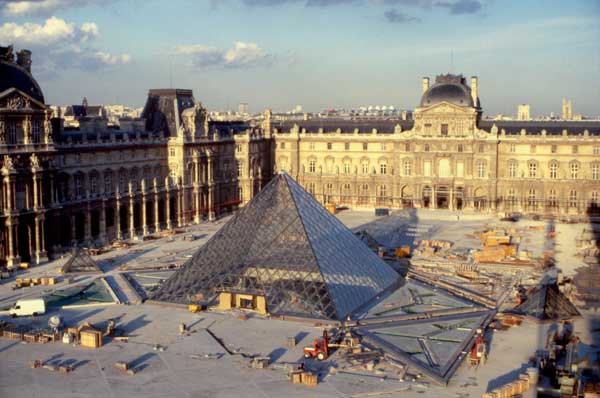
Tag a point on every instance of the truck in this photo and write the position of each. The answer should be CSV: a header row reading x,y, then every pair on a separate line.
x,y
28,308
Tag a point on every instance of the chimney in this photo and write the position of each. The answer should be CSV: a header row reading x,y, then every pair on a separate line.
x,y
24,60
474,93
425,84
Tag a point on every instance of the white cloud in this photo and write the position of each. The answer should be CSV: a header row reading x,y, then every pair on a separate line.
x,y
18,8
241,55
57,44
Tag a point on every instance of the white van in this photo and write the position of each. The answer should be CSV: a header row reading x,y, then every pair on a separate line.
x,y
28,307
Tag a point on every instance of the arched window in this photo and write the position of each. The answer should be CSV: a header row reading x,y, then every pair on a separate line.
x,y
363,197
552,200
573,198
531,199
383,168
574,170
346,194
311,188
312,166
532,169
512,169
459,148
553,170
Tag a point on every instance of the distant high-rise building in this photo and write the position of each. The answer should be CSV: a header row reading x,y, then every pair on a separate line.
x,y
523,112
567,109
243,108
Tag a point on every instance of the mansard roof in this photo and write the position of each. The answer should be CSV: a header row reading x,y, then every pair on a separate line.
x,y
347,126
535,127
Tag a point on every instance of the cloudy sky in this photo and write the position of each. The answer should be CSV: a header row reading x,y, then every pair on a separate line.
x,y
318,53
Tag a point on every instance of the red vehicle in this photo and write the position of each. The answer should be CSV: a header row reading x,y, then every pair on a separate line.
x,y
479,349
321,347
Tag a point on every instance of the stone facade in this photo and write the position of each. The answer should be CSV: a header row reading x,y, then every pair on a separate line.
x,y
446,158
97,183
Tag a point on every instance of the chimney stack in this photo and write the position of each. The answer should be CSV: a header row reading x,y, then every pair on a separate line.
x,y
24,60
425,84
474,93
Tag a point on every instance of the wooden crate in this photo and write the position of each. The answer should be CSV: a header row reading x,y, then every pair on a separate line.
x,y
296,377
309,379
35,364
30,337
90,338
121,365
290,341
13,334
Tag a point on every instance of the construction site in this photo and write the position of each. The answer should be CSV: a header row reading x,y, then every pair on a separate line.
x,y
287,298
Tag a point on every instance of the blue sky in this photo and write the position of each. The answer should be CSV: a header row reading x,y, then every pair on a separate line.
x,y
318,53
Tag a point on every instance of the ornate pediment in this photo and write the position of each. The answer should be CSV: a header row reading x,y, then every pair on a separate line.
x,y
446,108
13,99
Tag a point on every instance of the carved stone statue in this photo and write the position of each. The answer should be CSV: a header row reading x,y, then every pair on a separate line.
x,y
7,54
195,120
35,161
8,163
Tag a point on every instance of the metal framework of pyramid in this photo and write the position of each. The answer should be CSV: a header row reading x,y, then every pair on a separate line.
x,y
286,246
547,302
80,261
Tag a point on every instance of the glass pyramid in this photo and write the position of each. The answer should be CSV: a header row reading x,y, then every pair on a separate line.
x,y
288,247
80,261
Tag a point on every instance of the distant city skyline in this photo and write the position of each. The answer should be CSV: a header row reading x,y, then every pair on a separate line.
x,y
318,53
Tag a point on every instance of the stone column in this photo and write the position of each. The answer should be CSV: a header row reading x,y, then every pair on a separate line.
x,y
211,209
36,192
40,254
88,225
168,207
145,231
119,233
132,233
451,198
197,203
102,223
13,260
156,208
179,196
433,199
73,230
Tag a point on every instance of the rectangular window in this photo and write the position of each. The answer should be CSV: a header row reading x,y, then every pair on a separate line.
x,y
512,169
596,150
532,149
553,170
480,169
574,149
171,152
574,170
481,148
282,145
329,146
407,168
427,168
238,147
36,127
347,168
444,129
596,172
240,169
513,148
427,128
346,146
553,149
406,147
311,146
573,198
460,169
11,133
107,183
532,170
383,146
311,166
93,185
383,168
365,168
365,146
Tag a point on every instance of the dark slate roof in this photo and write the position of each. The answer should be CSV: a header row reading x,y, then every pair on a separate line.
x,y
228,128
453,93
160,111
448,88
383,126
552,127
12,75
76,111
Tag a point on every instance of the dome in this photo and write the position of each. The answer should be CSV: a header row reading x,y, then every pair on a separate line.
x,y
12,75
448,88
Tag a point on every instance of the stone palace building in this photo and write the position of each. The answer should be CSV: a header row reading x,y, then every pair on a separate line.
x,y
97,183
